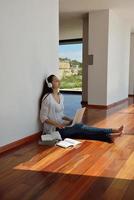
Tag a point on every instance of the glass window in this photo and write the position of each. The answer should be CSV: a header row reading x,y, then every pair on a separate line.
x,y
70,66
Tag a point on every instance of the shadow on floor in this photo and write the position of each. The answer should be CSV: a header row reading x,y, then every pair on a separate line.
x,y
32,185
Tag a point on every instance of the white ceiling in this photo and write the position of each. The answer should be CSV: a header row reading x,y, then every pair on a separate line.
x,y
76,8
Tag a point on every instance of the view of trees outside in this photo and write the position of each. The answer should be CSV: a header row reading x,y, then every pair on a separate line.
x,y
70,66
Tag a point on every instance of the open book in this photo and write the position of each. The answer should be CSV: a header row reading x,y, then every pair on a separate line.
x,y
67,142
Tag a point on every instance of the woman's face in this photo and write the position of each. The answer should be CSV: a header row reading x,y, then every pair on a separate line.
x,y
55,82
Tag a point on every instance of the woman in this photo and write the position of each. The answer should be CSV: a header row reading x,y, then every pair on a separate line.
x,y
53,118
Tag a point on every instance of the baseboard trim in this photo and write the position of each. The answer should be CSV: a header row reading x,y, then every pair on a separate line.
x,y
106,107
20,142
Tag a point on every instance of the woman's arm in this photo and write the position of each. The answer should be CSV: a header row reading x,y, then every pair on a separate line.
x,y
54,123
67,118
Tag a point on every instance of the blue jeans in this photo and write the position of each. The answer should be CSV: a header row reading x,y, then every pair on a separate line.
x,y
83,131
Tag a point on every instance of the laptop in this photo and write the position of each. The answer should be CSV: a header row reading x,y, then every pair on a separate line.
x,y
78,116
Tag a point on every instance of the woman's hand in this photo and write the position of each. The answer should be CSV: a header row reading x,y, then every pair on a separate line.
x,y
60,126
71,121
67,119
67,123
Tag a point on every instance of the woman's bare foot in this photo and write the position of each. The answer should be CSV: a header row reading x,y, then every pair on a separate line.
x,y
116,133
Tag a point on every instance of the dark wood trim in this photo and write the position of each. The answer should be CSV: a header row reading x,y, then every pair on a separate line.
x,y
70,92
131,95
20,142
71,41
103,106
84,103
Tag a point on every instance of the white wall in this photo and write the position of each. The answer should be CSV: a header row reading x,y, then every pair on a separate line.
x,y
131,72
109,42
118,59
28,50
70,28
98,46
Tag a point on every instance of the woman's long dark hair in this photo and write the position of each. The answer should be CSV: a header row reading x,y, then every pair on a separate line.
x,y
46,89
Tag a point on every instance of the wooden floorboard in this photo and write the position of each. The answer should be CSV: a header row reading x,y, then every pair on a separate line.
x,y
92,170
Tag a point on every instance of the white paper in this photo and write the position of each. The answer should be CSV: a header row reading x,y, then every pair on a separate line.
x,y
67,142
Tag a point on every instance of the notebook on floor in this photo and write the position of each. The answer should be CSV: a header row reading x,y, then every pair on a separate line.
x,y
68,142
78,116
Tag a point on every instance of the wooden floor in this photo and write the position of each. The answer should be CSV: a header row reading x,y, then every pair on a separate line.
x,y
93,170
